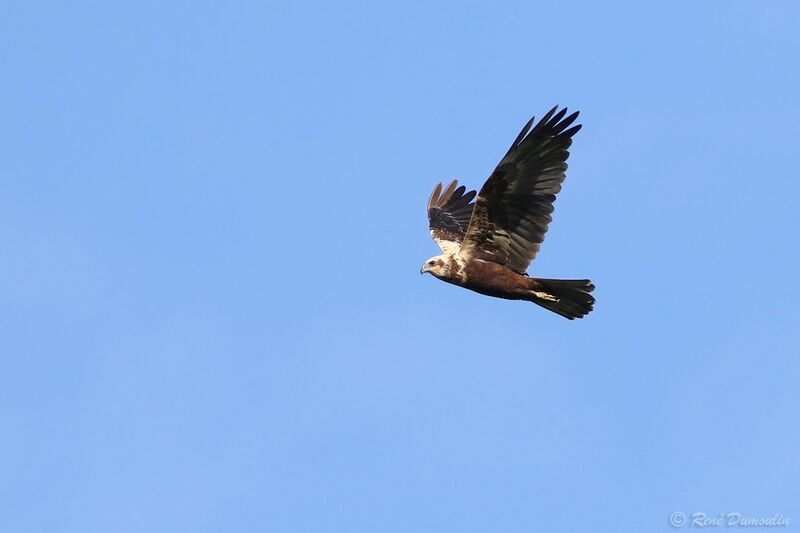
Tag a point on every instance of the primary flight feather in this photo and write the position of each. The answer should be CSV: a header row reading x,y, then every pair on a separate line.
x,y
488,244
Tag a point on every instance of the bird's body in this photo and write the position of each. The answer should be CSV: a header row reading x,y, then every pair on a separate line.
x,y
483,277
488,245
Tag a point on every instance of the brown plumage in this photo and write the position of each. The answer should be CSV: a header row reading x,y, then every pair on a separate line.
x,y
487,245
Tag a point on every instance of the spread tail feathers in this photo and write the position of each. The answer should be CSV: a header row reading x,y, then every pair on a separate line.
x,y
569,298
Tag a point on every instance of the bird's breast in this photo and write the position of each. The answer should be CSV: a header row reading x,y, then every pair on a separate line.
x,y
493,279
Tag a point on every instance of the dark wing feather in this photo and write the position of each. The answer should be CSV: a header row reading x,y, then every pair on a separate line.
x,y
513,209
448,215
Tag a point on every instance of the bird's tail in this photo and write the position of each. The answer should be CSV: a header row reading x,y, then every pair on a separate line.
x,y
569,298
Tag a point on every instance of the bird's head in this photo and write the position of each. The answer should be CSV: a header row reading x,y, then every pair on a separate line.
x,y
437,265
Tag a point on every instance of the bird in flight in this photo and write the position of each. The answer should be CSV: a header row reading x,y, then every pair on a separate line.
x,y
488,244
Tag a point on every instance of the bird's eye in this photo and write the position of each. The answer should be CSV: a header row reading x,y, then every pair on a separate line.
x,y
431,263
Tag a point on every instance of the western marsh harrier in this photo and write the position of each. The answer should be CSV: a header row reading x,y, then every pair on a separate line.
x,y
487,245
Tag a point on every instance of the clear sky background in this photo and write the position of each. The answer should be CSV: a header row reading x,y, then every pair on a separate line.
x,y
212,220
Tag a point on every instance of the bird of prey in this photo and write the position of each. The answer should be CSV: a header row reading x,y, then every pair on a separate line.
x,y
487,245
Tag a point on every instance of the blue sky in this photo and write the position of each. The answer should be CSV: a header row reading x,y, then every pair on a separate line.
x,y
212,222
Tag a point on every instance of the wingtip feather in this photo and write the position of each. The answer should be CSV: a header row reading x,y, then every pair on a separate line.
x,y
433,200
448,193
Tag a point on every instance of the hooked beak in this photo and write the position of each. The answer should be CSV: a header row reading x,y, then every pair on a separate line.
x,y
423,269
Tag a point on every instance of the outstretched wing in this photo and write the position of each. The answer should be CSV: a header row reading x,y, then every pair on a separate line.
x,y
513,209
448,215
